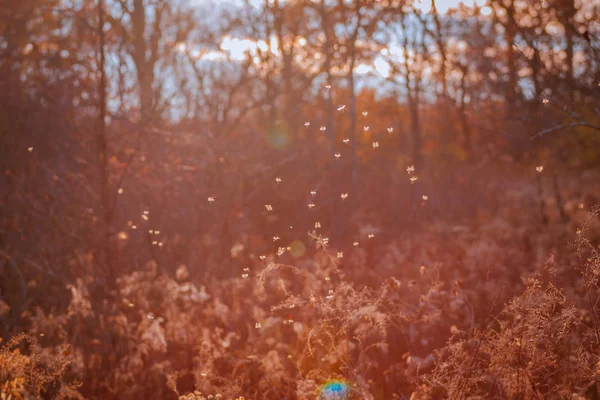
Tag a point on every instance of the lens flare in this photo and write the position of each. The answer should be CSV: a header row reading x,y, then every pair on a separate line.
x,y
278,137
297,248
334,390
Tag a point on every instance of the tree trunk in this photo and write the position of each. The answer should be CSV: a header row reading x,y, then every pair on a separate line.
x,y
102,150
511,62
442,49
329,96
415,122
464,121
567,13
352,88
144,62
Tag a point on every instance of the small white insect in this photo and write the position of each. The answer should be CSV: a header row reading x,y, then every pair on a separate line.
x,y
30,149
410,169
340,254
341,108
307,124
317,225
323,128
337,156
311,205
366,128
211,199
413,179
344,196
371,235
375,145
276,238
390,130
313,192
269,207
365,113
278,180
346,141
539,168
120,191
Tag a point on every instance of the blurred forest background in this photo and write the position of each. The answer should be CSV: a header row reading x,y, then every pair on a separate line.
x,y
161,162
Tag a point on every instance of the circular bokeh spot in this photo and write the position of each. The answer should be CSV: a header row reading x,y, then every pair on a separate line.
x,y
297,248
278,136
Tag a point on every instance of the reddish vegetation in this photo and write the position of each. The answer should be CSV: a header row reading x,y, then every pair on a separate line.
x,y
181,222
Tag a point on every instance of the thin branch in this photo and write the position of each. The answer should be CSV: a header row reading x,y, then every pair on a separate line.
x,y
564,126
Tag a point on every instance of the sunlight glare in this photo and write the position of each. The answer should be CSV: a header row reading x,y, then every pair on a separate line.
x,y
382,67
444,5
238,48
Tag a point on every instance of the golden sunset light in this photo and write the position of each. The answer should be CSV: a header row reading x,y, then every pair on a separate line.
x,y
299,199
